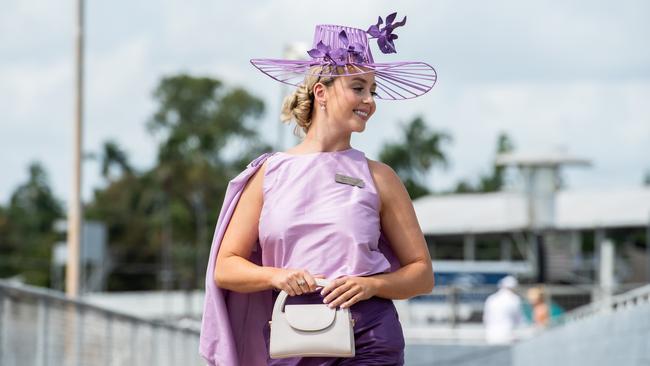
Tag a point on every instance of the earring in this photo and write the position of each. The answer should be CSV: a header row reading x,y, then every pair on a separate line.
x,y
322,107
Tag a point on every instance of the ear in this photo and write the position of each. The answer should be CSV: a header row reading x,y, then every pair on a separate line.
x,y
320,93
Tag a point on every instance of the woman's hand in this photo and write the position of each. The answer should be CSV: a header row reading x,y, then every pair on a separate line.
x,y
294,281
346,291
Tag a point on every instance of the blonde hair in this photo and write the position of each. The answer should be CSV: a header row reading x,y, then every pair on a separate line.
x,y
298,106
536,294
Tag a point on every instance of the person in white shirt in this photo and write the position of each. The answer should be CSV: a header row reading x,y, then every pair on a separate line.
x,y
502,313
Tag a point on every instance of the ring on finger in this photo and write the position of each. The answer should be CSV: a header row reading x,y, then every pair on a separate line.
x,y
301,282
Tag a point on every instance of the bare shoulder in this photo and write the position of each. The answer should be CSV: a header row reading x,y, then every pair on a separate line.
x,y
241,233
389,186
253,190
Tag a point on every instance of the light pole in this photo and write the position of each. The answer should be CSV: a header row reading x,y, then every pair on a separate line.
x,y
74,207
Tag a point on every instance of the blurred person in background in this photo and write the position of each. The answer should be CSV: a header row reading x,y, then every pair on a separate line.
x,y
540,309
502,313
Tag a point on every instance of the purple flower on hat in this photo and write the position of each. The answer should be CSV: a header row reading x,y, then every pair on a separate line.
x,y
385,36
321,51
354,51
339,56
329,55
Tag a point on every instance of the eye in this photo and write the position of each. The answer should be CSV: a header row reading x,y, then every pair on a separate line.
x,y
359,90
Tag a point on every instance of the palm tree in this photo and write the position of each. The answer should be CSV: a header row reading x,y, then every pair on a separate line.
x,y
418,151
113,155
493,181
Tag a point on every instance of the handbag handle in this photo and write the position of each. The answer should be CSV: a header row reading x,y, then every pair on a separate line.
x,y
282,297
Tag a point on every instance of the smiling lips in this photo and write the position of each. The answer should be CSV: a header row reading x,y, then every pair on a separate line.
x,y
360,113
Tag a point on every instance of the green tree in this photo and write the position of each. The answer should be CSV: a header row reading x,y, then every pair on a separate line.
x,y
197,118
27,228
418,150
114,157
162,218
6,268
494,181
464,187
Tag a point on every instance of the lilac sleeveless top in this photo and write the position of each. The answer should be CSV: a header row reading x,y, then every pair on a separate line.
x,y
310,221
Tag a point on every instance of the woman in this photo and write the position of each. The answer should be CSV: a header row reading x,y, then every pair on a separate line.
x,y
321,210
540,310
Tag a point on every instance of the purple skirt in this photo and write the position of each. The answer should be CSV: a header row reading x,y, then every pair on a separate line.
x,y
378,336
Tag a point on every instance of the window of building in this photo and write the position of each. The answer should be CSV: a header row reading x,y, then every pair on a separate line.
x,y
445,247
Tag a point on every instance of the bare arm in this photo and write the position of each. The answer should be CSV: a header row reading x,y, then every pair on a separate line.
x,y
400,225
233,271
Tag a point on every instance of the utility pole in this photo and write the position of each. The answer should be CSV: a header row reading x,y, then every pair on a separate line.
x,y
74,207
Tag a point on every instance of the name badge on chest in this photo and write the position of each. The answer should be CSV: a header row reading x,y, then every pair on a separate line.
x,y
344,179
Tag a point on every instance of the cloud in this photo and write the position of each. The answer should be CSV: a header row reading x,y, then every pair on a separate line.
x,y
29,27
574,74
604,122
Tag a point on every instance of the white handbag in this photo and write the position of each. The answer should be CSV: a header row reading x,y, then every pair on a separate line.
x,y
310,330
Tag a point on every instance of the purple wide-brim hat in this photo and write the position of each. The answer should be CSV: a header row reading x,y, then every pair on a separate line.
x,y
344,51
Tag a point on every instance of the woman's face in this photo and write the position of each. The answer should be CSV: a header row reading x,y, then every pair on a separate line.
x,y
350,102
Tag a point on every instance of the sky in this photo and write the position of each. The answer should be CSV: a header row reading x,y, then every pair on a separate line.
x,y
571,76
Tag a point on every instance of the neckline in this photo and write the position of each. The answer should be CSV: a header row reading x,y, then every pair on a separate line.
x,y
318,152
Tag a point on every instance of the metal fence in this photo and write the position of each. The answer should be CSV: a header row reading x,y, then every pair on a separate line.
x,y
635,297
451,305
44,328
611,331
453,314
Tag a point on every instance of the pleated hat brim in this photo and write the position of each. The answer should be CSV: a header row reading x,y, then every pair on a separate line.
x,y
395,80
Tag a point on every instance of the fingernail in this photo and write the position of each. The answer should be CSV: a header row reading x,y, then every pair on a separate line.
x,y
325,301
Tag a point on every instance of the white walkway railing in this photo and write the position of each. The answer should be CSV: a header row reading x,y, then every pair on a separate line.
x,y
41,327
626,300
